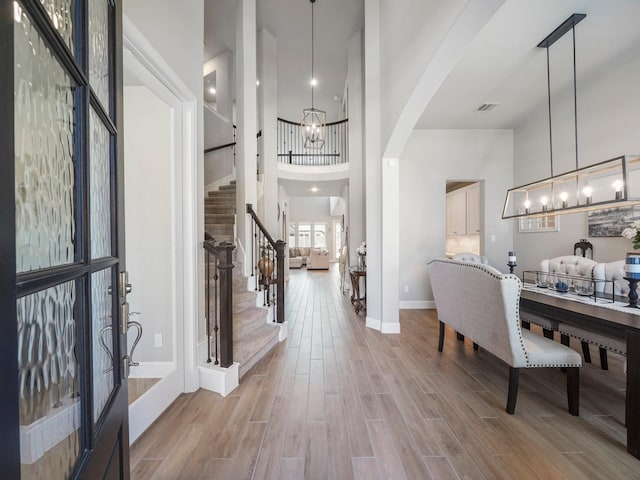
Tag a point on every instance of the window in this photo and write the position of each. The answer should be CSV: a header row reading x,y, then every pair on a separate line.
x,y
308,234
337,229
304,235
292,234
320,235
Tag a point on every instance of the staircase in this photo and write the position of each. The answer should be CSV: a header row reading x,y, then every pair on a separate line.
x,y
219,213
253,334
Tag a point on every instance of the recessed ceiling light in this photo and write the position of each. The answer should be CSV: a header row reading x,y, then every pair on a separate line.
x,y
314,189
257,83
314,82
212,90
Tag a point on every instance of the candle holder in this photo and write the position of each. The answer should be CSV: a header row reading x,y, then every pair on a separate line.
x,y
511,261
633,293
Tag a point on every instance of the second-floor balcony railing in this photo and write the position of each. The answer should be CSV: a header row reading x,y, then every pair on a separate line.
x,y
291,145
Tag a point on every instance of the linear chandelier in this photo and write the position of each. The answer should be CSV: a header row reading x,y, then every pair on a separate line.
x,y
612,183
313,120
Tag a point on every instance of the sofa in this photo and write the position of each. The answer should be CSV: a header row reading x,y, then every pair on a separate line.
x,y
312,258
298,256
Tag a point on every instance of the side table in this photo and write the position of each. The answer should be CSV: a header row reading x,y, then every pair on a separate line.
x,y
357,300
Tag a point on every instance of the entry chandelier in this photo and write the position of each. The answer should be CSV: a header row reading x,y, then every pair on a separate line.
x,y
313,120
612,183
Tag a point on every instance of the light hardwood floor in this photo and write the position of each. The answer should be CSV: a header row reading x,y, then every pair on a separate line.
x,y
337,400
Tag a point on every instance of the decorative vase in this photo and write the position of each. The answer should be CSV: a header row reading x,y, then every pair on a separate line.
x,y
265,264
362,262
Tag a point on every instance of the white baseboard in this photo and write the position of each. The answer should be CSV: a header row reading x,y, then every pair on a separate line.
x,y
214,186
390,327
383,327
284,331
147,408
417,304
218,379
152,370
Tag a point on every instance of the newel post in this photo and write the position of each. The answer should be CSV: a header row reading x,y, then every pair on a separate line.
x,y
226,306
280,244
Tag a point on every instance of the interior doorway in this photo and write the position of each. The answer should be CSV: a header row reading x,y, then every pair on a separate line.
x,y
157,163
464,217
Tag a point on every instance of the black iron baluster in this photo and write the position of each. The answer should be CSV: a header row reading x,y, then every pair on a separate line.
x,y
215,307
208,297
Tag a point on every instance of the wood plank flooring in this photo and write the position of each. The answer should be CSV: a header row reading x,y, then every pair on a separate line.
x,y
339,401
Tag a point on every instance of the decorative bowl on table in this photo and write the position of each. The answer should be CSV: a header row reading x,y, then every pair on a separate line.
x,y
561,286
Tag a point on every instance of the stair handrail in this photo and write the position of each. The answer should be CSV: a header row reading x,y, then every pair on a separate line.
x,y
223,302
278,246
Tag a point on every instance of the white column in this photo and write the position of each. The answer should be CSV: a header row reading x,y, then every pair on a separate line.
x,y
373,164
390,245
356,203
268,106
246,105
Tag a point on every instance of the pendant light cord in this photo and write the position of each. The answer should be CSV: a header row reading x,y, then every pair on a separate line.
x,y
549,97
312,55
575,94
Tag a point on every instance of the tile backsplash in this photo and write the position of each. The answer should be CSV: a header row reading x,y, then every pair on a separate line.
x,y
463,243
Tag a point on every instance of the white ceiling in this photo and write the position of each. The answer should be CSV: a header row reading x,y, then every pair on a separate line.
x,y
300,188
504,66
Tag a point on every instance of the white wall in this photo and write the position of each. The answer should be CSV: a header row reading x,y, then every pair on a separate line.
x,y
411,32
222,64
175,29
313,209
430,158
148,223
608,123
176,32
218,165
268,121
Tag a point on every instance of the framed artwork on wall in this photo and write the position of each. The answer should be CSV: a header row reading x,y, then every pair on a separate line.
x,y
540,224
611,221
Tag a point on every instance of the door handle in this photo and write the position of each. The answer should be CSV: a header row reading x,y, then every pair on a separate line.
x,y
125,286
126,366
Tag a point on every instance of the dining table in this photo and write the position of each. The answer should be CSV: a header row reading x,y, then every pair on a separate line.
x,y
606,317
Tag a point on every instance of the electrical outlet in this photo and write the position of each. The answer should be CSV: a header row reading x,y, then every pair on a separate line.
x,y
406,289
157,340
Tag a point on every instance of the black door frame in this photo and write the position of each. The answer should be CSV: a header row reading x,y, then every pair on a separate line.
x,y
96,449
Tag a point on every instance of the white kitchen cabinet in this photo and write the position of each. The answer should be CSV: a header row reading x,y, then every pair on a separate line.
x,y
473,210
463,211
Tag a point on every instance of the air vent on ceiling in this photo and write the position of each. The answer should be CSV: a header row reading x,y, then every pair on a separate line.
x,y
485,107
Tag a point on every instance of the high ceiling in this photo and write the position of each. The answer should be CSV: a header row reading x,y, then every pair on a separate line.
x,y
502,66
336,21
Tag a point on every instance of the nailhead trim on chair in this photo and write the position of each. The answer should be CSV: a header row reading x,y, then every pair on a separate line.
x,y
594,342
